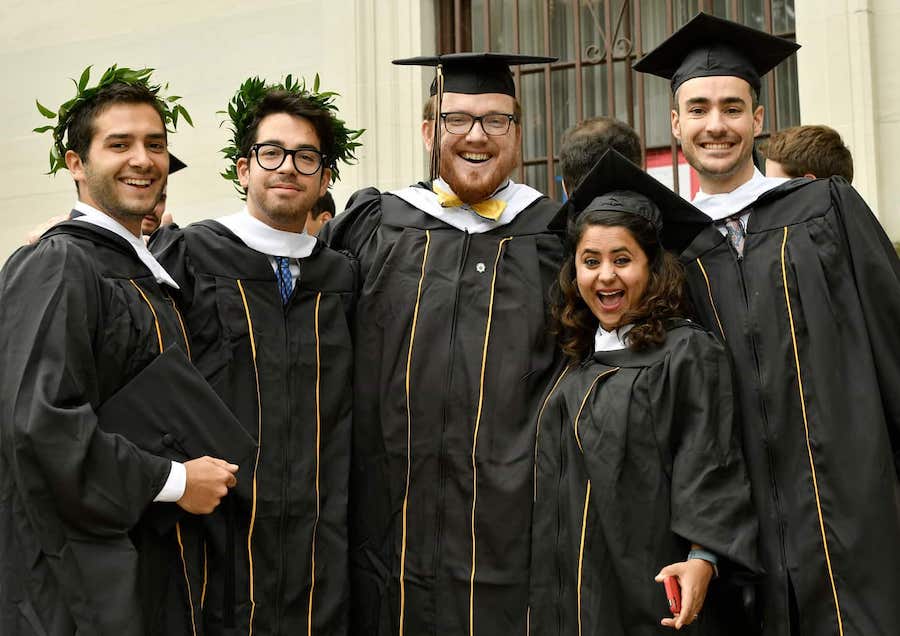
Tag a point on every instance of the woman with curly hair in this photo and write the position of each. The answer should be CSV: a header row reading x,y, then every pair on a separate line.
x,y
638,472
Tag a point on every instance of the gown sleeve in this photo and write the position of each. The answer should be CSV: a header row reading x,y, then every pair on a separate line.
x,y
354,231
876,270
710,498
169,247
64,466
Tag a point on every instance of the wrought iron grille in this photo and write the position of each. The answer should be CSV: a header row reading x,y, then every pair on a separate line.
x,y
597,41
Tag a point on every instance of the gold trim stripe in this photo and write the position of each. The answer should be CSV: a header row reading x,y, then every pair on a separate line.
x,y
312,585
187,580
711,302
187,343
258,448
537,434
812,467
584,401
487,336
584,518
159,337
205,578
412,337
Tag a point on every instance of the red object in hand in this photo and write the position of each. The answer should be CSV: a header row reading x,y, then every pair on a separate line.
x,y
673,594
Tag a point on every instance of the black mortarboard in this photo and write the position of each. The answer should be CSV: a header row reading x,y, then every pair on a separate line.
x,y
617,185
710,46
175,164
475,73
472,74
169,410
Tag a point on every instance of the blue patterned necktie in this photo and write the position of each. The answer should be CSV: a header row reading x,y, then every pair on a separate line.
x,y
283,275
734,229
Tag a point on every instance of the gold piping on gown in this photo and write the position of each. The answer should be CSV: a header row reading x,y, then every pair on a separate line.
x,y
312,585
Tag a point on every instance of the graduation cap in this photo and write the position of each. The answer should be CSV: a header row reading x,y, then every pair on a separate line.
x,y
175,164
615,184
710,46
168,409
471,74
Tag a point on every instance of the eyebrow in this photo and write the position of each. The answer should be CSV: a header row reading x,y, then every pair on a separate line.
x,y
705,100
615,250
278,142
115,136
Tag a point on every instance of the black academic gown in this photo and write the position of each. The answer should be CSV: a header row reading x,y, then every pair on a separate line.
x,y
810,315
83,550
285,371
638,458
452,354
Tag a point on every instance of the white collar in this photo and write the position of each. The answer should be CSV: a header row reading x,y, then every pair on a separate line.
x,y
266,239
723,205
95,217
516,195
611,340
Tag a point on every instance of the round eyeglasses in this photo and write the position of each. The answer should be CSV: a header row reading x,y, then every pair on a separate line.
x,y
306,160
493,124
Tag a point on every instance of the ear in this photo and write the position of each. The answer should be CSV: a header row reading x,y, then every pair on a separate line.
x,y
810,175
758,120
324,181
243,171
326,216
75,165
676,124
428,134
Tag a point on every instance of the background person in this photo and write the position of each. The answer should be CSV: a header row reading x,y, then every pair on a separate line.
x,y
815,152
321,213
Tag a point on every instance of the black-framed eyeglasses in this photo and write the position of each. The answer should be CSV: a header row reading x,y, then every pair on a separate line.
x,y
306,160
493,124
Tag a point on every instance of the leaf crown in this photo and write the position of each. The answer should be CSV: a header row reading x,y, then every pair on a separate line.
x,y
242,109
169,107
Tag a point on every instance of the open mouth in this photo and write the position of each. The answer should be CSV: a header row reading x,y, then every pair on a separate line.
x,y
475,157
611,300
138,183
717,146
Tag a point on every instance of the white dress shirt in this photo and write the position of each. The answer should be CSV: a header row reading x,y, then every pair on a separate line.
x,y
269,241
611,340
516,195
723,205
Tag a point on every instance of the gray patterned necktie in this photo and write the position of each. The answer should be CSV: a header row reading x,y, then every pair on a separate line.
x,y
736,234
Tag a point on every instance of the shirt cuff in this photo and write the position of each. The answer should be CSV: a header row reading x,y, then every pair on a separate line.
x,y
173,490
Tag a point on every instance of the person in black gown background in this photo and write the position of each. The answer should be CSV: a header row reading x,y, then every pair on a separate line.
x,y
638,465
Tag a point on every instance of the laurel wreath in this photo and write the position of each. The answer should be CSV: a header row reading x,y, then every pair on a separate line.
x,y
170,108
242,107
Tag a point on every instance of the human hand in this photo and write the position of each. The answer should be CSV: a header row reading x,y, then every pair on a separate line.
x,y
35,234
693,577
207,480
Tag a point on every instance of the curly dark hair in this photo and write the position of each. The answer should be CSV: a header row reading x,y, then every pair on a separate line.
x,y
664,298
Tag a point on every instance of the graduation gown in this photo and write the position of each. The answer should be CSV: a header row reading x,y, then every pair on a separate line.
x,y
285,371
83,550
638,458
452,353
810,315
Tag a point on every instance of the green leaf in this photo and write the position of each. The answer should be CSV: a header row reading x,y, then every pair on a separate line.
x,y
46,112
83,80
43,129
185,114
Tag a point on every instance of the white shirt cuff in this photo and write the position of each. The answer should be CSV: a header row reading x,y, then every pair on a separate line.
x,y
173,490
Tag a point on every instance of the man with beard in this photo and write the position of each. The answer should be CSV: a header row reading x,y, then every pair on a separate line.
x,y
267,307
452,353
87,329
801,283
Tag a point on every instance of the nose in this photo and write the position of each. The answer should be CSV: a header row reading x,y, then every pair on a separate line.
x,y
477,133
715,124
606,274
287,166
140,157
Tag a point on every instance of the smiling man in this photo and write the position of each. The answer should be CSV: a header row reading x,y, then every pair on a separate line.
x,y
452,355
91,471
267,306
801,283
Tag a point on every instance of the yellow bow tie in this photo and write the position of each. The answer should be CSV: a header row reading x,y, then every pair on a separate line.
x,y
489,209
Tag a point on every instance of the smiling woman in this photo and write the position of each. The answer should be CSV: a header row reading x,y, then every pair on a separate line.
x,y
638,470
